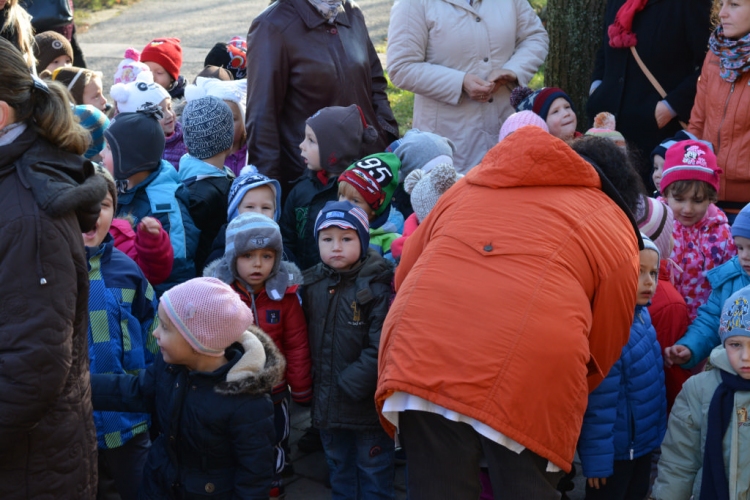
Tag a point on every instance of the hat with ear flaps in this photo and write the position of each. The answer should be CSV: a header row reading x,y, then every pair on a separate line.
x,y
340,132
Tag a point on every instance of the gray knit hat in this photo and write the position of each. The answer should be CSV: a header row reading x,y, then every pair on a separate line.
x,y
426,188
340,133
207,127
423,150
735,316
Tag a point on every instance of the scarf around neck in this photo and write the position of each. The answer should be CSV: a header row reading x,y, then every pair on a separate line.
x,y
734,55
620,32
329,9
714,485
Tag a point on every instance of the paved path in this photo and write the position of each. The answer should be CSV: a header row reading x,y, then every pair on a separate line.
x,y
200,24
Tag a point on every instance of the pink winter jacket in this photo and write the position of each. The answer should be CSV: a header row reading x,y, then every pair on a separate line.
x,y
410,225
153,254
698,249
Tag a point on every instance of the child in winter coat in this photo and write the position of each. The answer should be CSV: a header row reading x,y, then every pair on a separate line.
x,y
163,56
253,266
553,105
151,187
208,389
370,184
425,189
334,137
706,452
702,238
346,301
721,100
669,313
122,312
208,131
725,280
626,415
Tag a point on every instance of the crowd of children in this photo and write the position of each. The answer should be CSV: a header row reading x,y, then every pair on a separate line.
x,y
213,306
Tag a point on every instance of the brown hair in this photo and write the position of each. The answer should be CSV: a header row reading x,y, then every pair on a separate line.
x,y
18,22
688,187
45,107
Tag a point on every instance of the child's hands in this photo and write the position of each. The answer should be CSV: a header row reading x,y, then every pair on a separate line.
x,y
676,355
150,225
596,482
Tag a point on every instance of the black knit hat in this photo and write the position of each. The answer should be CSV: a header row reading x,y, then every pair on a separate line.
x,y
340,133
137,142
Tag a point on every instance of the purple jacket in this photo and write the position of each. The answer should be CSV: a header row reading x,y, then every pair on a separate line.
x,y
237,161
175,147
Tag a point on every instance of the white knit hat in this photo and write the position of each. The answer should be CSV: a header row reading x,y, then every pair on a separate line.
x,y
233,91
426,188
135,95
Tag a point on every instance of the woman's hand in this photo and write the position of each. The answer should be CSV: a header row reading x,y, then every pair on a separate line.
x,y
596,482
502,77
662,114
476,88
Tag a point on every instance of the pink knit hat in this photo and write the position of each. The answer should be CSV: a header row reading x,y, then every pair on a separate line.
x,y
521,119
656,220
690,161
208,313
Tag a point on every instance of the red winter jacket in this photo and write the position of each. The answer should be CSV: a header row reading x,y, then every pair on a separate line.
x,y
284,321
669,315
153,254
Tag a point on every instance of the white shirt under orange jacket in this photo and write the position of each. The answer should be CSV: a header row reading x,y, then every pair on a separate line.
x,y
515,296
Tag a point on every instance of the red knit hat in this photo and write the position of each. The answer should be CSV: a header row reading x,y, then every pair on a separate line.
x,y
166,52
690,161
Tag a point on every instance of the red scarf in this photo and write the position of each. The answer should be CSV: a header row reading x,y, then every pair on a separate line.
x,y
620,32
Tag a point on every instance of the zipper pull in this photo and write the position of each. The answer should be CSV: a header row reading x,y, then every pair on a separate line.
x,y
631,453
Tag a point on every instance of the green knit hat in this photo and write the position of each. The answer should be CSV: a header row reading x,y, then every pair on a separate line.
x,y
375,177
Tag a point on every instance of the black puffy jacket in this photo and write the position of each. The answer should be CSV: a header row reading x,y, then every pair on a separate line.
x,y
345,313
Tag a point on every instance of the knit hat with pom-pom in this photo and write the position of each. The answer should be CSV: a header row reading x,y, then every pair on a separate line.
x,y
248,180
138,94
130,67
208,314
340,132
521,119
604,126
426,188
538,101
656,220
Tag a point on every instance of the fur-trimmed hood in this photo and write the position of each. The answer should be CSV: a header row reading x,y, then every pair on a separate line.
x,y
245,377
276,286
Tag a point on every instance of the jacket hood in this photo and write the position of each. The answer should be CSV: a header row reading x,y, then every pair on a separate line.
x,y
244,377
288,276
190,167
532,157
719,359
730,270
713,218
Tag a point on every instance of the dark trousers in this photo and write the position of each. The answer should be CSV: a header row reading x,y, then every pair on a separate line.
x,y
630,481
121,469
281,424
443,458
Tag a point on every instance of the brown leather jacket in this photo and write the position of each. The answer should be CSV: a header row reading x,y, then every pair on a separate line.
x,y
297,63
721,115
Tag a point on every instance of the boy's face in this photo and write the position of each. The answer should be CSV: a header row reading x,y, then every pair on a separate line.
x,y
174,348
169,120
561,120
95,237
743,252
107,160
59,62
255,266
688,208
160,74
309,150
92,94
339,248
738,352
648,277
259,200
658,171
349,193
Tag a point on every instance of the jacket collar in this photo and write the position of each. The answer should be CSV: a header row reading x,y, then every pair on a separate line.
x,y
313,19
190,167
463,4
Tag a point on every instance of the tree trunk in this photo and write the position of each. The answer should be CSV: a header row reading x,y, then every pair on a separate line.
x,y
575,34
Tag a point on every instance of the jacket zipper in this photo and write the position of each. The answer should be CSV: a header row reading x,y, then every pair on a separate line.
x,y
723,116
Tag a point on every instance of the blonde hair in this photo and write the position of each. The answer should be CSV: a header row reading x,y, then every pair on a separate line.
x,y
19,22
349,191
45,107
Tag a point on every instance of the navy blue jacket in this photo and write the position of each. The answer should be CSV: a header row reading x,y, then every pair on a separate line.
x,y
627,414
162,196
216,437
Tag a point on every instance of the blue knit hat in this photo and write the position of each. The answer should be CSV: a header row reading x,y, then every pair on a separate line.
x,y
741,224
735,316
207,127
650,245
345,215
250,179
96,123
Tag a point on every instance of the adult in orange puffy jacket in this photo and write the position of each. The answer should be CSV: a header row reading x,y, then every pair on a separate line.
x,y
515,298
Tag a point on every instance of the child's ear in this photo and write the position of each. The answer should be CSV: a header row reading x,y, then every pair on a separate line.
x,y
7,115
